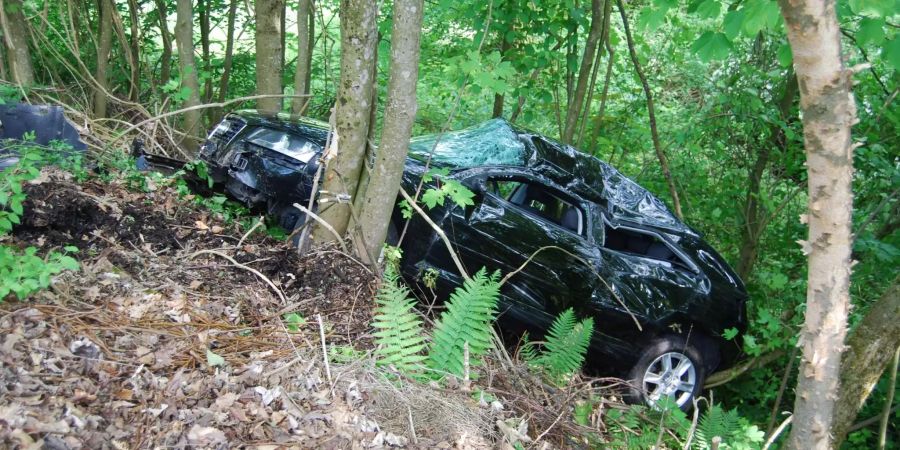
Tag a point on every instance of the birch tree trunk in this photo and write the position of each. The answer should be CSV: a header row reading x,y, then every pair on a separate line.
x,y
651,113
352,116
399,114
587,63
103,52
15,38
268,53
304,56
134,10
828,111
184,34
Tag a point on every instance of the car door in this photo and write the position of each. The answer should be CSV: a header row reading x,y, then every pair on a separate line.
x,y
516,215
652,277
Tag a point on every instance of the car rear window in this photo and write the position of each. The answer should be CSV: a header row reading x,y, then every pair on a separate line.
x,y
285,143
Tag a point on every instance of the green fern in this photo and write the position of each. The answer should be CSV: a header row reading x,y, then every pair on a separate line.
x,y
470,314
567,344
735,431
399,337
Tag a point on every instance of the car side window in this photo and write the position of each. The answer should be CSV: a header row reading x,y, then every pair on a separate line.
x,y
647,245
541,201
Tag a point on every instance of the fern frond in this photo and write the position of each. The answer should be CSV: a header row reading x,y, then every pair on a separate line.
x,y
566,346
399,333
468,318
718,422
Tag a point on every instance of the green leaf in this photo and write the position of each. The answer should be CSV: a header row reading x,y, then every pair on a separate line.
x,y
433,197
711,45
871,31
729,333
891,53
872,8
650,19
213,360
760,15
294,321
785,57
707,9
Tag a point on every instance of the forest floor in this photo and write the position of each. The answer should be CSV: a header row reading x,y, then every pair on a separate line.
x,y
173,334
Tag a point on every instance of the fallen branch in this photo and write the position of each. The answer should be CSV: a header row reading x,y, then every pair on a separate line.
x,y
241,266
439,231
720,378
324,224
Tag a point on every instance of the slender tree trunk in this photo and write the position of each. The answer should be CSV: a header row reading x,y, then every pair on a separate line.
x,y
15,38
304,57
654,134
354,98
226,64
869,349
204,6
828,112
610,58
587,63
499,98
165,60
103,54
752,229
135,41
184,34
268,53
4,72
119,28
399,114
312,43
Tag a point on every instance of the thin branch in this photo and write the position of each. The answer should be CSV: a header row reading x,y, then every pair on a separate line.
x,y
439,231
324,224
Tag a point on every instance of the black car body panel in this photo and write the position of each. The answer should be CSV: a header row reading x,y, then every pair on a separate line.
x,y
605,246
48,123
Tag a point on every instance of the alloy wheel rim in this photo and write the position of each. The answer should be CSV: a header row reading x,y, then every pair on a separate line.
x,y
671,375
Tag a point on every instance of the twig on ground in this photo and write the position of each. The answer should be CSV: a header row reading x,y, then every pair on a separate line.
x,y
324,224
324,347
254,227
241,266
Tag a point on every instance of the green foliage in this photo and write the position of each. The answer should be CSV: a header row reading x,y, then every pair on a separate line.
x,y
469,317
566,346
399,334
735,431
22,271
293,322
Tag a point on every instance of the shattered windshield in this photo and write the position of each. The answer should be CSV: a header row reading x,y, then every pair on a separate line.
x,y
490,143
285,143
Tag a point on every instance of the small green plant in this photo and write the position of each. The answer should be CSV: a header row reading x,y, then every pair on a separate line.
x,y
293,322
399,337
736,432
566,346
23,271
468,320
435,196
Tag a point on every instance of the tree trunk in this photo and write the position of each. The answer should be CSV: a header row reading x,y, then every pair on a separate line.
x,y
870,347
103,53
268,54
226,64
610,58
15,38
354,99
399,115
828,112
165,60
654,134
499,98
304,57
184,34
119,28
587,63
753,225
134,18
203,7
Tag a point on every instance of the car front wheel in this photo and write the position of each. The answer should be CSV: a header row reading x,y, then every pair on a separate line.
x,y
668,367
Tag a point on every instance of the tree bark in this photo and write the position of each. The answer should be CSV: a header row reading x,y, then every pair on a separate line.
x,y
584,71
654,134
828,112
203,7
352,115
499,98
165,60
226,64
184,34
753,225
304,56
268,54
103,53
870,347
135,42
399,115
610,58
15,38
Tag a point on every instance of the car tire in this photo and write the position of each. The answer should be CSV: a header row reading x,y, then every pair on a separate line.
x,y
668,366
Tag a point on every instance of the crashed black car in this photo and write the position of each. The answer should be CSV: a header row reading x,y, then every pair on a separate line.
x,y
660,295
